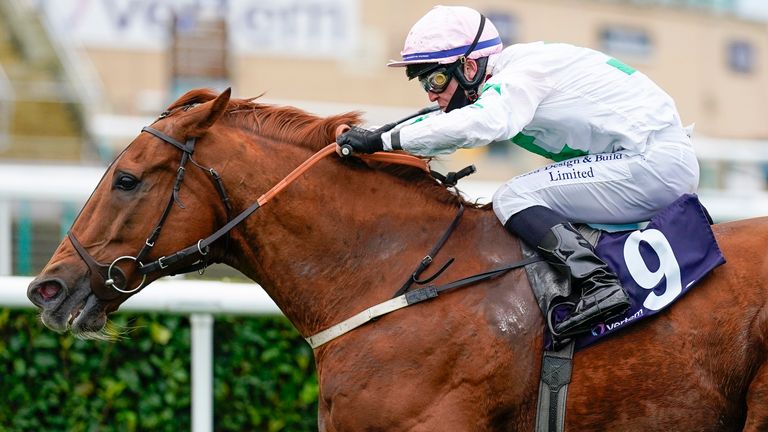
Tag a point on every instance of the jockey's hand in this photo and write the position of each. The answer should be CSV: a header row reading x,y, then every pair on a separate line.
x,y
361,140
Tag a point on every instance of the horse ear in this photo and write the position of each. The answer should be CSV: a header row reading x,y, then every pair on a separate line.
x,y
217,109
204,116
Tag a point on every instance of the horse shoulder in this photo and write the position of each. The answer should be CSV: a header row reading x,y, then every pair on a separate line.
x,y
447,352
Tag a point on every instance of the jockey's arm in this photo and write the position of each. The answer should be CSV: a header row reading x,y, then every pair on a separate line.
x,y
508,103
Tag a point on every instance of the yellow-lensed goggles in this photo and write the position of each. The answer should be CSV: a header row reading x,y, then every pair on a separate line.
x,y
437,80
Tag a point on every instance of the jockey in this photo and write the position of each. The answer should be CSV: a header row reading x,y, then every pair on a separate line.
x,y
621,153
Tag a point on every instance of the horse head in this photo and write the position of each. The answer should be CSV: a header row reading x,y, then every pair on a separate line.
x,y
99,265
163,194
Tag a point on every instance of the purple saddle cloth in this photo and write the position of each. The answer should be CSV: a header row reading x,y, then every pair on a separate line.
x,y
656,265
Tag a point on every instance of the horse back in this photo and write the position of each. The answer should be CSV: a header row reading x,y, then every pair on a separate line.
x,y
740,285
691,366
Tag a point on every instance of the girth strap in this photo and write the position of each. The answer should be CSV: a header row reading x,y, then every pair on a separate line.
x,y
556,367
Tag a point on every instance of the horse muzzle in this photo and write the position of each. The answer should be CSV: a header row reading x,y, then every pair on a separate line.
x,y
66,308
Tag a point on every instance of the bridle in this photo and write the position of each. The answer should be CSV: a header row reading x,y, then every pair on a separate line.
x,y
108,281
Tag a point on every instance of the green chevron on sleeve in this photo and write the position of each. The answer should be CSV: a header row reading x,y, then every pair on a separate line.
x,y
496,87
527,142
618,64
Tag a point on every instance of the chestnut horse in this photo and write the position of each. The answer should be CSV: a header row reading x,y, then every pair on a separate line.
x,y
345,235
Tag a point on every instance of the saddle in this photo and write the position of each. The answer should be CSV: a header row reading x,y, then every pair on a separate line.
x,y
656,265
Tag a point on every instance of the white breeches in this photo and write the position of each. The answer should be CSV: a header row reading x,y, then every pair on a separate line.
x,y
611,188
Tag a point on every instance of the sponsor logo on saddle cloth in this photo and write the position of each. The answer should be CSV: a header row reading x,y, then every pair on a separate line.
x,y
658,264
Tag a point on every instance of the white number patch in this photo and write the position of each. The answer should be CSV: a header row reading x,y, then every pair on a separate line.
x,y
668,267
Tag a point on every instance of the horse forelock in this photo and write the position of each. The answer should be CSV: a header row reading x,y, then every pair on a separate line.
x,y
297,127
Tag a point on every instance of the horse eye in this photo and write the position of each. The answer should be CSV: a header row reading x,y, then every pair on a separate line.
x,y
126,182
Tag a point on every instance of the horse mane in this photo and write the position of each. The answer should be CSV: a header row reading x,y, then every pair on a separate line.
x,y
279,123
296,126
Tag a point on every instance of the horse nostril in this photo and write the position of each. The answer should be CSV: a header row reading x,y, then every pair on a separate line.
x,y
48,290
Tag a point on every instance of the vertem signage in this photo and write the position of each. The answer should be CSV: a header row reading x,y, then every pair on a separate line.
x,y
310,28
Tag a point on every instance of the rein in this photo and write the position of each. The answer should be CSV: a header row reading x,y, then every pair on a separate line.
x,y
203,244
109,281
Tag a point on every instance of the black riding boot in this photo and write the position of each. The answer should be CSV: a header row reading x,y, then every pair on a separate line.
x,y
602,297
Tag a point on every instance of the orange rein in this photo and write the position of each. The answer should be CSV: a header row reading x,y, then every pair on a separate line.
x,y
396,158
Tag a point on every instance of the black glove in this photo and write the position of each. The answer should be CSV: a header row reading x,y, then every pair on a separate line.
x,y
362,140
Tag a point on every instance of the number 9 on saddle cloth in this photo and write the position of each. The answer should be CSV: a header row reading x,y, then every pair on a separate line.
x,y
656,265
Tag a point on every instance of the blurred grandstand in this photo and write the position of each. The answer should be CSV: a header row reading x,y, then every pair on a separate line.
x,y
78,79
43,115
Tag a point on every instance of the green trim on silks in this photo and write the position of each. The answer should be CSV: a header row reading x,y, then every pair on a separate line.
x,y
527,142
618,64
496,87
477,105
418,119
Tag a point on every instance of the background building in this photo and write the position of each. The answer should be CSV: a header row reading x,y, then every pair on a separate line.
x,y
111,65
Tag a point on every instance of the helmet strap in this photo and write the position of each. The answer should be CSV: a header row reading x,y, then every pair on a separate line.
x,y
458,100
474,83
468,90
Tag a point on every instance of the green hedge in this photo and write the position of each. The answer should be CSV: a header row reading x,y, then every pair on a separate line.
x,y
264,376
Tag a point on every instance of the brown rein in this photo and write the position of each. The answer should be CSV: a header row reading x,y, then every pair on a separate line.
x,y
201,247
396,158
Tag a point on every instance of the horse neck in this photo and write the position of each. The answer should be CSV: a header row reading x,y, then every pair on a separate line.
x,y
336,241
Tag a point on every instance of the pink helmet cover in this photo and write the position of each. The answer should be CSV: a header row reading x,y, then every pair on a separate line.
x,y
444,34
